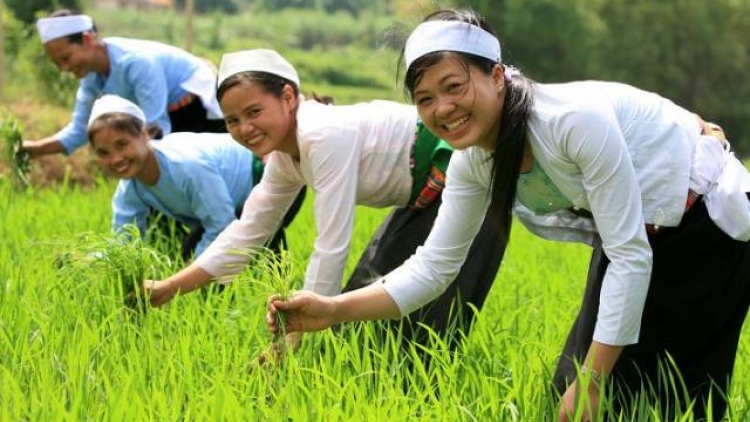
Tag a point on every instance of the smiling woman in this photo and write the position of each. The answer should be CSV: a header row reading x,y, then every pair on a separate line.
x,y
199,180
652,187
175,89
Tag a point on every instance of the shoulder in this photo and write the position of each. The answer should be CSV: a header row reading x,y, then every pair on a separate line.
x,y
575,110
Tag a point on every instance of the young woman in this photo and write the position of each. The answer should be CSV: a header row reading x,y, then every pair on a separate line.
x,y
175,89
650,185
198,180
375,154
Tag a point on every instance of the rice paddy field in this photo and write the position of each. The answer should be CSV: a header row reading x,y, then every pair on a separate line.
x,y
71,351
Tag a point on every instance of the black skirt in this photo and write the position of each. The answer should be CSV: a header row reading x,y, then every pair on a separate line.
x,y
193,118
697,302
452,313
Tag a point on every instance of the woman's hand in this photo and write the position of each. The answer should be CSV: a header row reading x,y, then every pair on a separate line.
x,y
569,400
304,311
158,293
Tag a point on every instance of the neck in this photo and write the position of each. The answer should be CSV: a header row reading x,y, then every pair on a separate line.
x,y
149,176
101,59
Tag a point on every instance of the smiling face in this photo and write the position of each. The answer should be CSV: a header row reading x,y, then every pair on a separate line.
x,y
460,103
71,57
259,120
123,154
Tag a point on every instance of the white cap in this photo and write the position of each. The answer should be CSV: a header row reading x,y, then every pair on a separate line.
x,y
260,60
57,27
113,104
457,36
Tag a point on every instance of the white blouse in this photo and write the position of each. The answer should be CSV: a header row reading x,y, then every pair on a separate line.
x,y
624,154
349,155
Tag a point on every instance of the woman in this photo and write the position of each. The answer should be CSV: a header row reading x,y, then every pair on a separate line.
x,y
375,154
175,89
198,180
646,182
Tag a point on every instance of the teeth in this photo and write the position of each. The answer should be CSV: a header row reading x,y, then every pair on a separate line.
x,y
251,141
456,123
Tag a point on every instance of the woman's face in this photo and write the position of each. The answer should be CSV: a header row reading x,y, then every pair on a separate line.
x,y
120,153
260,121
71,57
460,103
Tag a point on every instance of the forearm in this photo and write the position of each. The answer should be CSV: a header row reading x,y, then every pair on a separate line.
x,y
188,279
601,357
43,147
368,303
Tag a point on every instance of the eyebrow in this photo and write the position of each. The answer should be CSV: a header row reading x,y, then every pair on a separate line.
x,y
440,82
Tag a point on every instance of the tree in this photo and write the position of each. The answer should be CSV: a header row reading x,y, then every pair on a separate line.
x,y
207,6
26,10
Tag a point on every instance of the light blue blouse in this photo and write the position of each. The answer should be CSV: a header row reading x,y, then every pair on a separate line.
x,y
203,179
148,73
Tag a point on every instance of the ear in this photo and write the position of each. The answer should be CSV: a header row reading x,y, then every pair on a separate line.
x,y
288,97
498,77
89,39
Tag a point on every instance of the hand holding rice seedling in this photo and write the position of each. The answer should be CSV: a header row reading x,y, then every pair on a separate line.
x,y
17,157
276,273
123,258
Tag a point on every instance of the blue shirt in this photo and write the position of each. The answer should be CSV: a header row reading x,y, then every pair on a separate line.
x,y
148,73
203,179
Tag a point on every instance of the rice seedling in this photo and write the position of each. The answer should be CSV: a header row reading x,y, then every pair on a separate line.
x,y
69,349
275,273
17,158
122,259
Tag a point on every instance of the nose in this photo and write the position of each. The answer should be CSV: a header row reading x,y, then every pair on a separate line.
x,y
444,107
113,159
246,128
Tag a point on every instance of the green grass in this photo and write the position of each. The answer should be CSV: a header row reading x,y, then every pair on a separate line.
x,y
70,350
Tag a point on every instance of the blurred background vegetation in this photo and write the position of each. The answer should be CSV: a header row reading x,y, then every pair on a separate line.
x,y
695,52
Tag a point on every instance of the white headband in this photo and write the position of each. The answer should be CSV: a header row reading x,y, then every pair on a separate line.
x,y
113,104
58,27
259,60
462,37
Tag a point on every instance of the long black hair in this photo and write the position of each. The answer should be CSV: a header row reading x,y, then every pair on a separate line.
x,y
509,146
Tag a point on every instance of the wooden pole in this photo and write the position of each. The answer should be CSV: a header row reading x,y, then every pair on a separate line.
x,y
189,11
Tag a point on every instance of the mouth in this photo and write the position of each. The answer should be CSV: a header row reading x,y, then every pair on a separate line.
x,y
252,140
120,169
456,124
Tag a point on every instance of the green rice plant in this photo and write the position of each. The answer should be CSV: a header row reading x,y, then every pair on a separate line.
x,y
122,259
275,273
17,158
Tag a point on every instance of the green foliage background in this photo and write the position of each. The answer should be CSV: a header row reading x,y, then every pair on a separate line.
x,y
694,52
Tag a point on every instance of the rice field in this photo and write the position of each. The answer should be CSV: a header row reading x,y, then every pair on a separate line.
x,y
70,350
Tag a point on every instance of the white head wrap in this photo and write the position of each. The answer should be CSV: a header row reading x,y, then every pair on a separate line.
x,y
259,60
457,36
113,104
61,26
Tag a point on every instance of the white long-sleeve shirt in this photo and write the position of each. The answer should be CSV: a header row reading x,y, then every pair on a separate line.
x,y
624,154
349,155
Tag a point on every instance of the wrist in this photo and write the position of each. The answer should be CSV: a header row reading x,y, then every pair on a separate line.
x,y
591,373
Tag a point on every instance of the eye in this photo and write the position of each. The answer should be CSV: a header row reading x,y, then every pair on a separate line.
x,y
230,122
423,101
253,112
101,153
455,88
